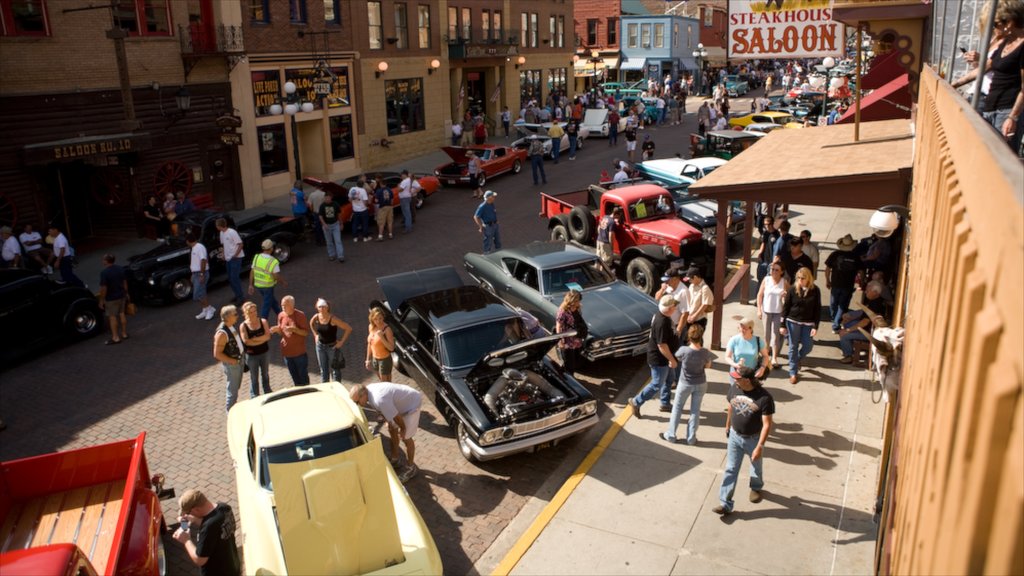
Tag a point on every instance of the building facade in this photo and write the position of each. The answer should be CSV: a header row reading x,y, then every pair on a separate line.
x,y
90,125
657,46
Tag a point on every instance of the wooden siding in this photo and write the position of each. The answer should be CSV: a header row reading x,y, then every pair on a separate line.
x,y
954,492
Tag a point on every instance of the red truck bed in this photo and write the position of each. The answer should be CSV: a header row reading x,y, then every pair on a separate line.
x,y
74,497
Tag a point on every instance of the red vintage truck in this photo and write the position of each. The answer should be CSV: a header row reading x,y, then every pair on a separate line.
x,y
651,235
85,512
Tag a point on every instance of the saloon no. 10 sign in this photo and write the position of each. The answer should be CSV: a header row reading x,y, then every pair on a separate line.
x,y
783,29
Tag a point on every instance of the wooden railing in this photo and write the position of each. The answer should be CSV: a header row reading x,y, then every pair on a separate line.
x,y
954,482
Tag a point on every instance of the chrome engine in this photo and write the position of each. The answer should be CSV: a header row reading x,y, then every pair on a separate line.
x,y
515,391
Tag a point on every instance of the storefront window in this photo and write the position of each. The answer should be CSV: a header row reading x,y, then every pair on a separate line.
x,y
24,18
404,102
341,137
556,80
273,149
144,17
266,90
529,86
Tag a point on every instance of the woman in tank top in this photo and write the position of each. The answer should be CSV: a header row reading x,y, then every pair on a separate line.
x,y
255,333
324,327
769,308
379,345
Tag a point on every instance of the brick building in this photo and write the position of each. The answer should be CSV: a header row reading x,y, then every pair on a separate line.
x,y
72,152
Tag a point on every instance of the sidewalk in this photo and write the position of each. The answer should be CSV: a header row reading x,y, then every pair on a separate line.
x,y
644,507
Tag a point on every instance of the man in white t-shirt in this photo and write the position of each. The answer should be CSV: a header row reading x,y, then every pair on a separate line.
x,y
11,249
407,190
358,197
702,301
315,199
32,244
199,265
64,257
400,406
620,173
233,255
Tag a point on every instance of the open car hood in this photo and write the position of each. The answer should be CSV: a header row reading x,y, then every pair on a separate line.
x,y
595,117
517,355
398,288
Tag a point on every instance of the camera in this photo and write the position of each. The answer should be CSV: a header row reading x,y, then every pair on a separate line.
x,y
184,526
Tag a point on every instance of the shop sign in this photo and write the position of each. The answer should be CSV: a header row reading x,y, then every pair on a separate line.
x,y
90,148
231,138
759,30
310,81
266,90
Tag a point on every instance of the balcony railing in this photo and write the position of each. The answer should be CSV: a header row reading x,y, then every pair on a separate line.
x,y
200,40
500,36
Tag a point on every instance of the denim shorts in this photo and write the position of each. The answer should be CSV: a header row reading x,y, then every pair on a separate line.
x,y
199,285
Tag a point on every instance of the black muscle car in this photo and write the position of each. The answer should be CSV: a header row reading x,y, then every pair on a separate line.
x,y
535,278
473,357
163,272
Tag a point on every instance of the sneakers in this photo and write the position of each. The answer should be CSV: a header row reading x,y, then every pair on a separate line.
x,y
380,237
48,270
667,438
202,314
721,510
755,496
636,408
409,473
355,239
330,258
367,238
210,312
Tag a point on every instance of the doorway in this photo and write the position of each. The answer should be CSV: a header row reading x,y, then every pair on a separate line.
x,y
476,97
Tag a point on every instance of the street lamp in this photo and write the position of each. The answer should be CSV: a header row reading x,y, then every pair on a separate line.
x,y
828,64
292,106
595,57
700,55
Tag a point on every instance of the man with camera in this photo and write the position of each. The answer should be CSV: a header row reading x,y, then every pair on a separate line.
x,y
214,549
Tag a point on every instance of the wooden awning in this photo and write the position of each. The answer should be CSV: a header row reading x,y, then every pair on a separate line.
x,y
888,102
820,166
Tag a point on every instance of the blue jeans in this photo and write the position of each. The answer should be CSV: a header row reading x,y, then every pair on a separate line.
x,y
613,135
839,304
233,376
661,116
492,238
332,235
800,344
298,369
406,204
324,354
269,303
234,267
259,366
846,340
658,384
738,447
556,147
696,395
537,163
360,221
67,272
572,146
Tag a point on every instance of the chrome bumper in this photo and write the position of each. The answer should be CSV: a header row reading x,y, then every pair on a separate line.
x,y
531,443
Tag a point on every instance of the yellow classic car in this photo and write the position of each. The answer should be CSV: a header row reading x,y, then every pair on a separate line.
x,y
316,494
781,118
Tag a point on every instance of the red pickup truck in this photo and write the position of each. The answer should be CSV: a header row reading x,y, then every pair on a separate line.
x,y
651,235
83,512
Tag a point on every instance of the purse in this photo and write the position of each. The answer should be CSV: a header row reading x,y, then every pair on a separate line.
x,y
338,359
130,309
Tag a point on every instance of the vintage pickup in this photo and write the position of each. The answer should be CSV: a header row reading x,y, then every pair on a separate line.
x,y
81,512
163,272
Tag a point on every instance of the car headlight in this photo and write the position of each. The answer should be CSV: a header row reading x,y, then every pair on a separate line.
x,y
496,435
589,408
709,234
599,344
151,281
667,250
437,172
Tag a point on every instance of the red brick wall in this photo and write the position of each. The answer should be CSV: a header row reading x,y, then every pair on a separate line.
x,y
601,10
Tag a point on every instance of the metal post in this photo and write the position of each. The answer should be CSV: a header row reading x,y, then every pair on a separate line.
x,y
295,148
942,39
956,38
986,39
856,106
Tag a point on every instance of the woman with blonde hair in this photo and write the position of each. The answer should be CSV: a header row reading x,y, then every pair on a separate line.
x,y
255,333
570,318
380,343
324,325
801,310
769,308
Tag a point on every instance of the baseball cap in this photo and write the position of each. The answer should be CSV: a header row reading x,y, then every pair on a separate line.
x,y
745,373
489,194
267,244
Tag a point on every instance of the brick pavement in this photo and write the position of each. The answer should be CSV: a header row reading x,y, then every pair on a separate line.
x,y
163,380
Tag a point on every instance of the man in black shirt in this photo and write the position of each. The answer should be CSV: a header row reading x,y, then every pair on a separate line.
x,y
840,274
660,356
764,254
114,298
794,259
214,550
747,425
330,221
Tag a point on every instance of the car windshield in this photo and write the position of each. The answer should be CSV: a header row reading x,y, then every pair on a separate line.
x,y
575,277
466,346
651,208
308,449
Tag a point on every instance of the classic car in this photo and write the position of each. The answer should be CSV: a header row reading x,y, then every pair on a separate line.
x,y
677,170
783,119
761,128
541,131
535,278
316,494
725,144
339,190
596,122
494,160
163,272
36,312
472,356
428,185
736,86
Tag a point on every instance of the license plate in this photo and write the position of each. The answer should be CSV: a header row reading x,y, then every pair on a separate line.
x,y
452,181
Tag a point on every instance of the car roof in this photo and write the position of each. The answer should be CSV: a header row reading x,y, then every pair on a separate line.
x,y
297,413
459,307
731,134
633,193
548,255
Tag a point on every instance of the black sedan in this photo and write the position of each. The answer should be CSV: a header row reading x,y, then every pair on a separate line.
x,y
36,312
536,277
473,357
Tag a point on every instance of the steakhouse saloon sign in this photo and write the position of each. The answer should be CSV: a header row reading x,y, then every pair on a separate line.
x,y
783,29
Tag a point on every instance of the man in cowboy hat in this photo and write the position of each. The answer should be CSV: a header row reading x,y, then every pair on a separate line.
x,y
840,273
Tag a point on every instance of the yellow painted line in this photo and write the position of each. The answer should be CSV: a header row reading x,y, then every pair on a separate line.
x,y
518,550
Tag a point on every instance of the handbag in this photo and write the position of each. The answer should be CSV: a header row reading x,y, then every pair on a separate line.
x,y
338,359
130,309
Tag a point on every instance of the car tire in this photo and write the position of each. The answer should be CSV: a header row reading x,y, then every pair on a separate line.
x,y
421,199
559,233
581,224
282,251
640,275
84,320
462,437
517,166
481,180
181,289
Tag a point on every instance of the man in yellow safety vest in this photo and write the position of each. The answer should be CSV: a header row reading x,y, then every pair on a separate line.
x,y
264,275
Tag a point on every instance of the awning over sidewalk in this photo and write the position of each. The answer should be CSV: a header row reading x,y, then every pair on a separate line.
x,y
820,166
586,69
884,69
612,62
634,63
886,103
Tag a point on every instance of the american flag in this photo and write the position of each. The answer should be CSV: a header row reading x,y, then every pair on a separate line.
x,y
497,92
462,97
